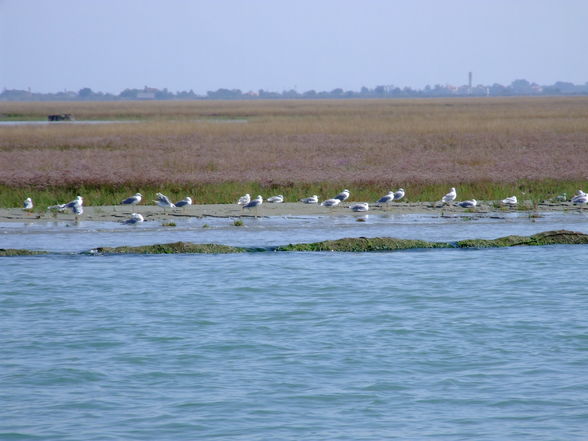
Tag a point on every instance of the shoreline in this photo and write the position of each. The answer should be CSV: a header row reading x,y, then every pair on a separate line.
x,y
119,213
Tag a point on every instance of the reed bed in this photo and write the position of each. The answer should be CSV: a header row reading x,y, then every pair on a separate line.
x,y
215,151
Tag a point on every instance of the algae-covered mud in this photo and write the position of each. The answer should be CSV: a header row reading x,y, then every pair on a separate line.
x,y
16,252
357,245
171,248
561,237
364,244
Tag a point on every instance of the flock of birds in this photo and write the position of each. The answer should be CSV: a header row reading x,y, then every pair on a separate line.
x,y
77,205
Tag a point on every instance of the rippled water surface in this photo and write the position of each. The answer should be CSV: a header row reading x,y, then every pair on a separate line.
x,y
411,345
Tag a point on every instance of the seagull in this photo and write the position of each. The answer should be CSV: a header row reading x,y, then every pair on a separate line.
x,y
343,196
399,194
449,197
331,202
311,200
254,203
28,204
76,206
580,199
184,202
133,200
360,206
134,219
579,195
244,200
468,204
276,199
78,210
164,202
77,201
510,200
385,199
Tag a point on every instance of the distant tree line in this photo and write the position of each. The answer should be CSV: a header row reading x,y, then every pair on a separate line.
x,y
520,87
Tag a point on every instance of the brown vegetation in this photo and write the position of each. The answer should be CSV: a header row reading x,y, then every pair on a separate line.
x,y
280,144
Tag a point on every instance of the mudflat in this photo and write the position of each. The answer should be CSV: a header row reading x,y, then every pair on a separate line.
x,y
118,213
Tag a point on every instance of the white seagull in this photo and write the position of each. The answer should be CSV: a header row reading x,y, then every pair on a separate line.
x,y
184,202
254,203
331,202
343,196
399,194
386,199
360,206
512,200
135,218
78,210
76,206
310,200
164,202
449,197
28,204
580,199
468,204
77,202
579,195
244,200
133,200
276,199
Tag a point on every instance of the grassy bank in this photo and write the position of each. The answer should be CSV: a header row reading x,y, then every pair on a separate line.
x,y
229,192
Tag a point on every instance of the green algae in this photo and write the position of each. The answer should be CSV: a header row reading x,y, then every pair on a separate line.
x,y
354,245
559,237
364,244
172,248
13,252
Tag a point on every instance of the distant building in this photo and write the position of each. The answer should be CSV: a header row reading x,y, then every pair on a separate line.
x,y
148,93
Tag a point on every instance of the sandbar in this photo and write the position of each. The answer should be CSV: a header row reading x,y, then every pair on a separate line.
x,y
118,213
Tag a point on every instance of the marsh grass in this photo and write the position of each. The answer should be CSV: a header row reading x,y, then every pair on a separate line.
x,y
530,194
534,148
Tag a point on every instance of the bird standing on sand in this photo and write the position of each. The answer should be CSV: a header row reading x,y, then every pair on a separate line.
x,y
310,200
184,202
135,218
343,196
449,197
360,206
580,199
468,204
133,200
579,195
255,203
276,199
512,200
399,194
387,198
331,202
244,200
164,202
76,206
28,204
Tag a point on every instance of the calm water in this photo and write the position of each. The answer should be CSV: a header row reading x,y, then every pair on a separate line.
x,y
411,345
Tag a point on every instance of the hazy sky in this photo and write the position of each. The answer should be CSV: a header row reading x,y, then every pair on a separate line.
x,y
110,45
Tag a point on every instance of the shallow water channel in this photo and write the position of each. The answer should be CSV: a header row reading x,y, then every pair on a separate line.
x,y
270,231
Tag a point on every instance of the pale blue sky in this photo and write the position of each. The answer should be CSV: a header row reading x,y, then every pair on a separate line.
x,y
110,45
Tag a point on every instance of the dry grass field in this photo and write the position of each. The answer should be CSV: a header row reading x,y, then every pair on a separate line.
x,y
489,148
